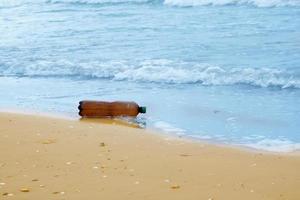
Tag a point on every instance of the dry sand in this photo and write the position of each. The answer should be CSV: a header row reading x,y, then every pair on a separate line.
x,y
48,158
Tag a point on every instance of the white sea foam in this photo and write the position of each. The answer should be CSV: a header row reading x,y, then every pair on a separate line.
x,y
156,71
179,3
97,1
274,145
258,142
9,3
258,3
168,128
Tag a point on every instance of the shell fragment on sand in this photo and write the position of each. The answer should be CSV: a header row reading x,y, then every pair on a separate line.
x,y
24,190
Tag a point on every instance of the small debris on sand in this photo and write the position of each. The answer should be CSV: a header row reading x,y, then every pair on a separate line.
x,y
48,141
56,192
24,190
62,193
185,155
7,194
175,187
102,144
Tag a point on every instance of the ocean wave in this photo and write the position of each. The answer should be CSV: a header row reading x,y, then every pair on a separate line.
x,y
98,1
257,3
13,3
185,3
178,3
156,71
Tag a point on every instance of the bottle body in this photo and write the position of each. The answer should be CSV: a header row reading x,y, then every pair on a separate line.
x,y
109,109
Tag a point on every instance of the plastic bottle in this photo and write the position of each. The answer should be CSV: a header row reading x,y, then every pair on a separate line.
x,y
109,109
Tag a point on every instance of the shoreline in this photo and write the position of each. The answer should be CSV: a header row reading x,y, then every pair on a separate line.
x,y
44,157
156,131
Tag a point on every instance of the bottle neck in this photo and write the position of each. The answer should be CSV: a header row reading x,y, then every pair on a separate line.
x,y
142,109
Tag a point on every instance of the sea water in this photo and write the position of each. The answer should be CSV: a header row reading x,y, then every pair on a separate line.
x,y
226,71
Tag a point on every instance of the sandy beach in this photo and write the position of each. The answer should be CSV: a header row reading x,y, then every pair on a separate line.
x,y
51,158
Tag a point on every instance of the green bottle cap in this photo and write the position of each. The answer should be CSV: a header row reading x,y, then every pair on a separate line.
x,y
142,109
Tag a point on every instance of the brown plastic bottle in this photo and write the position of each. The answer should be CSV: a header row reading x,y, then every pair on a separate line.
x,y
109,109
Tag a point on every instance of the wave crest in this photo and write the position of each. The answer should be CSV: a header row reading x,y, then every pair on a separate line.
x,y
98,1
179,3
13,3
258,3
185,3
156,71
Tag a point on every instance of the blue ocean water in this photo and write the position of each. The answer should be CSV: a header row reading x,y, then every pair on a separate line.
x,y
226,71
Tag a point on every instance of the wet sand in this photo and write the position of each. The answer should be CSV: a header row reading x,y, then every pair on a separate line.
x,y
49,158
